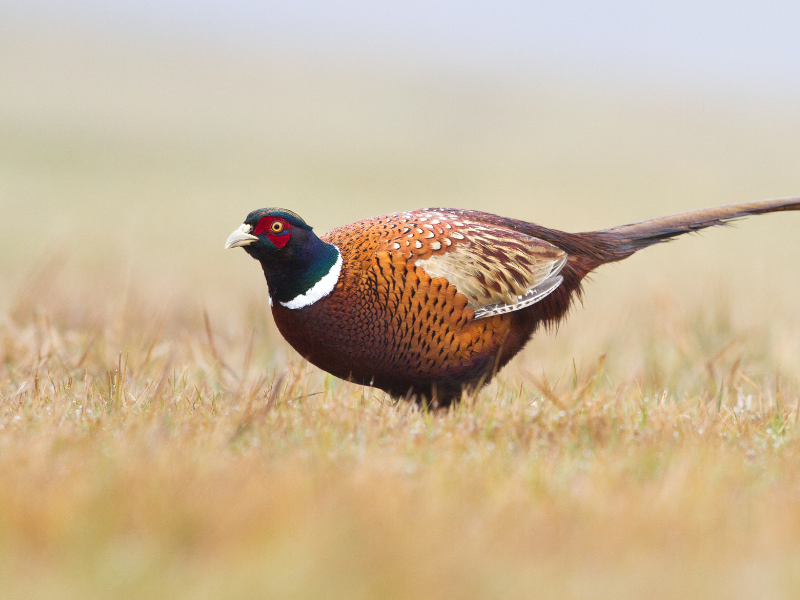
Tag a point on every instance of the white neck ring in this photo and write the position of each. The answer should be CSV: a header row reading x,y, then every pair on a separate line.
x,y
320,289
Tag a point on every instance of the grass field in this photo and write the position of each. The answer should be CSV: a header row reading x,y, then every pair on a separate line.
x,y
158,439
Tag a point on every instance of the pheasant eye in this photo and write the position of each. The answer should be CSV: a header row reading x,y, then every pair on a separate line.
x,y
276,226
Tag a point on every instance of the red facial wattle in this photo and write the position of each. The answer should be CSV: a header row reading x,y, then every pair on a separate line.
x,y
276,229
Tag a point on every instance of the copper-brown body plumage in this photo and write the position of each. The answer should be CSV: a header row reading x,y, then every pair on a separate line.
x,y
431,302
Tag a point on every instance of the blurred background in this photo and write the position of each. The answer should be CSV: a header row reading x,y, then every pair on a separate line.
x,y
135,136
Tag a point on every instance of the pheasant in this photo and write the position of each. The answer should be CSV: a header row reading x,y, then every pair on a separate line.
x,y
430,303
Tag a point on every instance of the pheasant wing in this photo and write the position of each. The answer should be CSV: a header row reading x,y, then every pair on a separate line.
x,y
498,269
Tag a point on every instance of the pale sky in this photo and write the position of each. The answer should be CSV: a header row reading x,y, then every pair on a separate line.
x,y
744,45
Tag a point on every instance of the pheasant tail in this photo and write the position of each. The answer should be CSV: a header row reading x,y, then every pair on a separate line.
x,y
621,242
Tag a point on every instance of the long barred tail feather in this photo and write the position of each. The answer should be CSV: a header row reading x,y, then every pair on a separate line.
x,y
623,241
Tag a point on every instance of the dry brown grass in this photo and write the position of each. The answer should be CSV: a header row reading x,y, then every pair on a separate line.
x,y
159,440
147,457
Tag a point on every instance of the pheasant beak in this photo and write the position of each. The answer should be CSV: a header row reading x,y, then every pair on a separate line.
x,y
241,237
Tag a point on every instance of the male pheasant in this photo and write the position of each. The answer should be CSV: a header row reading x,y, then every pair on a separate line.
x,y
428,303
